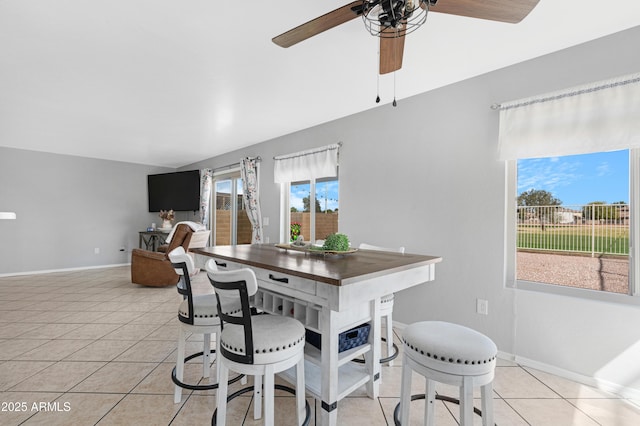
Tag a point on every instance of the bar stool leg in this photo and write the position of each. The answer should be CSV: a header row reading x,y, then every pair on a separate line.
x,y
430,403
388,320
218,357
405,390
206,356
177,394
257,397
268,395
221,397
300,391
466,401
487,404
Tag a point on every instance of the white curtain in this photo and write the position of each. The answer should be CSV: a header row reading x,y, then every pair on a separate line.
x,y
306,165
249,174
206,186
597,117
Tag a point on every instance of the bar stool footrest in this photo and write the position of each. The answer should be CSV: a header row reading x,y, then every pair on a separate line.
x,y
391,357
199,387
396,411
242,391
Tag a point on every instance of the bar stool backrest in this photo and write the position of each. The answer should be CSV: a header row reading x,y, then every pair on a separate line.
x,y
183,265
232,287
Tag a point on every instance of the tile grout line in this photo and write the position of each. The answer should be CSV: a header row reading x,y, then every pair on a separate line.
x,y
561,397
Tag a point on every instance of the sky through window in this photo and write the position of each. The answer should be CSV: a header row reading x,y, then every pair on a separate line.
x,y
578,179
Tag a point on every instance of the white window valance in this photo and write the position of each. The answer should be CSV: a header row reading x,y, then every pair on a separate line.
x,y
596,117
306,165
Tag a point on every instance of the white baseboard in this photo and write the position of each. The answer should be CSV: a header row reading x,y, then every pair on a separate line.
x,y
607,386
48,271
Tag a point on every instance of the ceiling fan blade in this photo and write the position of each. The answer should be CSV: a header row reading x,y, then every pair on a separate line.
x,y
511,11
391,52
320,24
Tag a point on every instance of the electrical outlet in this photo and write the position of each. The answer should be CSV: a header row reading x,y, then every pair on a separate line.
x,y
482,306
96,250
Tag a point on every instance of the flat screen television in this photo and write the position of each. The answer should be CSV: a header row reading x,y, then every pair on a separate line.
x,y
179,191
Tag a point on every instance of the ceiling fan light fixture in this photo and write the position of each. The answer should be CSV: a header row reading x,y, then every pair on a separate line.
x,y
394,18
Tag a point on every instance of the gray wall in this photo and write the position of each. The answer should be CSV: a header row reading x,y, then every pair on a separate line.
x,y
423,175
67,207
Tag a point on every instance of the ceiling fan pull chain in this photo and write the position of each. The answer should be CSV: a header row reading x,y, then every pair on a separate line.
x,y
395,104
395,52
378,83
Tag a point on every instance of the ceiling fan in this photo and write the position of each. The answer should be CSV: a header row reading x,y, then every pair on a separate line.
x,y
391,20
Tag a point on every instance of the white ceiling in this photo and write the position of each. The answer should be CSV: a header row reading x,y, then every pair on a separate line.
x,y
169,82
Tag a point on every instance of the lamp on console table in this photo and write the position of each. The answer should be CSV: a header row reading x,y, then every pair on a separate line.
x,y
7,215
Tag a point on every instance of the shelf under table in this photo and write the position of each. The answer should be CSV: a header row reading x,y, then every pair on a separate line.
x,y
351,376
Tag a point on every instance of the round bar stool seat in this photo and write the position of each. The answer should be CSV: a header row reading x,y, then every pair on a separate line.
x,y
451,354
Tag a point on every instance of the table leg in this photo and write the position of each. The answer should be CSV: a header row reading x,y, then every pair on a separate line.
x,y
372,358
162,239
329,358
148,242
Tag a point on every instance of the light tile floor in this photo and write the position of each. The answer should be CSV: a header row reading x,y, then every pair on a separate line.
x,y
88,347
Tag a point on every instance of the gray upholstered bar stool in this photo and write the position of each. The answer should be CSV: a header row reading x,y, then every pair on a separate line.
x,y
258,345
197,314
451,354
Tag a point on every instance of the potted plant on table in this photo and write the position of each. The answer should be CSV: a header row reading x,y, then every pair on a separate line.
x,y
295,231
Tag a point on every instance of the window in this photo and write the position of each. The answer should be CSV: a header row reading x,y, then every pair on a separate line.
x,y
308,193
315,219
598,118
572,222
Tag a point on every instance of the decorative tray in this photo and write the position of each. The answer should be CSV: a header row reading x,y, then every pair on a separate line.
x,y
308,248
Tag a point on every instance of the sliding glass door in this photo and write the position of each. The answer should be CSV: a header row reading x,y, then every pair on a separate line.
x,y
230,222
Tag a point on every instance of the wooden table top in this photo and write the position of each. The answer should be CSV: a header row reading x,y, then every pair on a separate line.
x,y
328,268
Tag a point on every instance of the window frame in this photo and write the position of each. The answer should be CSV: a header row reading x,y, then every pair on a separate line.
x,y
510,243
285,208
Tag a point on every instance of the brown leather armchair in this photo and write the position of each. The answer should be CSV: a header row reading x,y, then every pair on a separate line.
x,y
154,269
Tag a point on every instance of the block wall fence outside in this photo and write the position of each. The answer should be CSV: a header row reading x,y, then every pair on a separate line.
x,y
223,228
326,223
